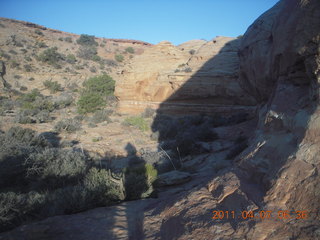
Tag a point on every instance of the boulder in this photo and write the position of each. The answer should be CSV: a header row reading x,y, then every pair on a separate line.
x,y
173,178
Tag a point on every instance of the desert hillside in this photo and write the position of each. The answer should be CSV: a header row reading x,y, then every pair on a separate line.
x,y
121,139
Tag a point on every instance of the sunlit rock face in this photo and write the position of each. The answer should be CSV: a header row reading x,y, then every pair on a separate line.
x,y
194,77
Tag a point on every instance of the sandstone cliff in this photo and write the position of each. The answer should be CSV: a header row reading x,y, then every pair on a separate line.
x,y
195,77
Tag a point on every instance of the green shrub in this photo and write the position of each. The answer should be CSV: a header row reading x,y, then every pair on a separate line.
x,y
93,69
64,100
138,122
52,86
139,181
102,190
37,31
68,39
13,52
16,144
192,51
56,167
28,67
100,116
41,44
4,55
130,50
71,59
95,92
28,59
31,96
68,125
36,101
14,64
102,85
51,56
87,40
119,57
23,88
87,52
96,58
90,102
110,62
23,117
16,208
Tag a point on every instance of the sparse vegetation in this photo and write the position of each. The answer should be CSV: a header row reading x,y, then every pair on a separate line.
x,y
40,181
68,125
13,52
51,56
71,59
68,39
41,45
119,57
28,59
14,64
4,55
101,116
34,100
138,122
53,86
130,50
188,69
96,58
87,52
87,40
93,69
28,67
192,52
37,31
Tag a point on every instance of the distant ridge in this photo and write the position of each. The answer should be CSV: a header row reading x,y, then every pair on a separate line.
x,y
37,26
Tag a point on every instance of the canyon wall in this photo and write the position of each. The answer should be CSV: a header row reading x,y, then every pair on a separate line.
x,y
195,77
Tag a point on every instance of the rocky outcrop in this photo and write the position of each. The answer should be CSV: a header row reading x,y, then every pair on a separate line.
x,y
172,178
280,66
203,80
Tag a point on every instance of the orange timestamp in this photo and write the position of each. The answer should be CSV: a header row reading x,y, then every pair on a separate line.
x,y
262,214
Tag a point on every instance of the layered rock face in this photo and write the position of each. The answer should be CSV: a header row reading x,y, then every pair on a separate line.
x,y
195,77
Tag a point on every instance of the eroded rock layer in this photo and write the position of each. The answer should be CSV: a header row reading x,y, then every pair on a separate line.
x,y
195,77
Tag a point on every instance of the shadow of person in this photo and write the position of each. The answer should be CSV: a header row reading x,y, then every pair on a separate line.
x,y
137,186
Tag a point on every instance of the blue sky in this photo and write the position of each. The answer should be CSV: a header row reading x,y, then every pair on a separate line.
x,y
148,20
